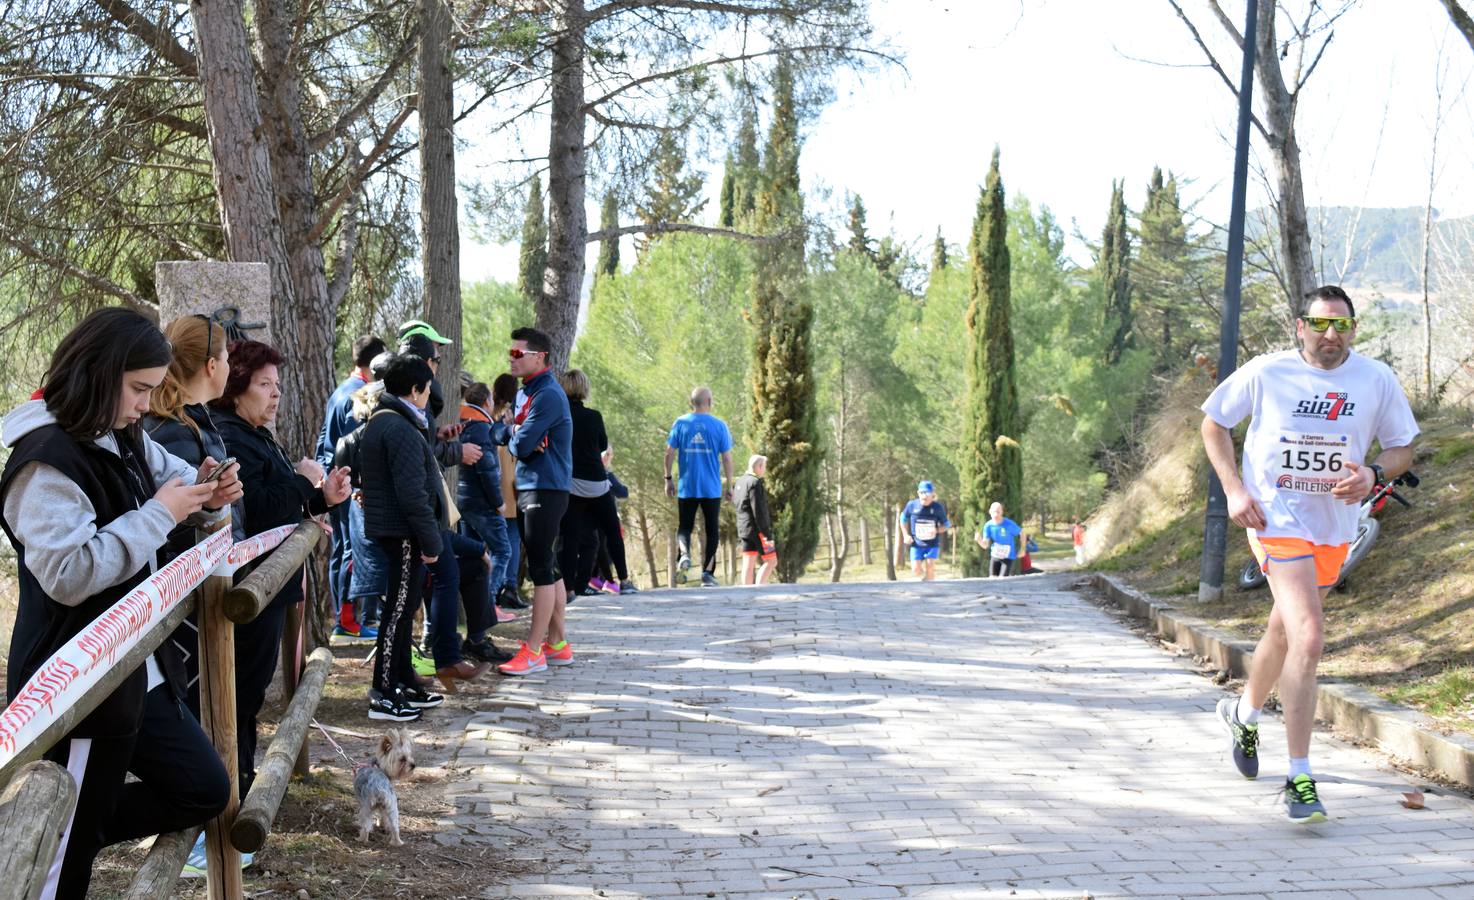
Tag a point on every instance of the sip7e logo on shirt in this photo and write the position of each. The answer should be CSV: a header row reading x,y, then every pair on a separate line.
x,y
1308,424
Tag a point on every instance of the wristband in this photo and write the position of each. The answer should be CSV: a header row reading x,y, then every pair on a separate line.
x,y
1377,476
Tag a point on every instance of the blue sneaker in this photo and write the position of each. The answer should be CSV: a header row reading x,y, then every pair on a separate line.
x,y
195,865
1302,803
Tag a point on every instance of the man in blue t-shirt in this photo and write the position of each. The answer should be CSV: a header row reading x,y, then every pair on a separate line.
x,y
923,522
704,447
1000,538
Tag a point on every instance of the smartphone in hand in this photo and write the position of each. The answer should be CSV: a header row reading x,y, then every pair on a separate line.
x,y
216,472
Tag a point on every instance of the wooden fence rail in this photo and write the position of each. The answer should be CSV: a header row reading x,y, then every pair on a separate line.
x,y
33,812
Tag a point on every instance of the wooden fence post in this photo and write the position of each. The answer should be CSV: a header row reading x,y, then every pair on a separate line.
x,y
34,809
292,652
217,715
670,558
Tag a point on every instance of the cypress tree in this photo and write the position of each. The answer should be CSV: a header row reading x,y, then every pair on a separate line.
x,y
1159,274
673,193
534,255
727,209
1115,273
859,239
608,264
746,169
992,460
784,422
939,258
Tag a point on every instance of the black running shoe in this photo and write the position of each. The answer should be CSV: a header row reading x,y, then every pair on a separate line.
x,y
485,651
508,598
393,708
1243,739
419,698
1302,803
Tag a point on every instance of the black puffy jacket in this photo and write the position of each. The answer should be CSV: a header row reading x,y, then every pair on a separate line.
x,y
402,490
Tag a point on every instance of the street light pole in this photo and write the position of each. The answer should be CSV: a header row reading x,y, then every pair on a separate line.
x,y
1215,526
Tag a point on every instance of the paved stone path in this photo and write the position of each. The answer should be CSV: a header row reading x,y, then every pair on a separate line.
x,y
957,739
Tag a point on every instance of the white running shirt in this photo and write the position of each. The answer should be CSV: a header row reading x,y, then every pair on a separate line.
x,y
1306,423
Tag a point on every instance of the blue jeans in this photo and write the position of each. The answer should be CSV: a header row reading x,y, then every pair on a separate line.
x,y
514,553
459,564
491,529
370,570
339,563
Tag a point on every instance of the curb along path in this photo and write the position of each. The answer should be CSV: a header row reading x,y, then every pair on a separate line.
x,y
964,738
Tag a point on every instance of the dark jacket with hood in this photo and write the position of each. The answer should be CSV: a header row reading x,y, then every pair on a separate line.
x,y
86,531
192,445
480,488
402,489
751,500
275,494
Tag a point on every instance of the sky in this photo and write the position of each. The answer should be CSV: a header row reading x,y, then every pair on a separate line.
x,y
1076,93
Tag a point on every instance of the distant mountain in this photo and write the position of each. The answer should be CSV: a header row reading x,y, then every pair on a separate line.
x,y
1379,248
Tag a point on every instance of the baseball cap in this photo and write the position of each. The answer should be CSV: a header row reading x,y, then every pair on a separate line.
x,y
925,487
419,326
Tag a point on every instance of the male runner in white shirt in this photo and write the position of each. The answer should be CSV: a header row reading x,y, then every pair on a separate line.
x,y
1315,412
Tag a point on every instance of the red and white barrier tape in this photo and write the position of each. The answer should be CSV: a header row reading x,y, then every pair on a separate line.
x,y
76,667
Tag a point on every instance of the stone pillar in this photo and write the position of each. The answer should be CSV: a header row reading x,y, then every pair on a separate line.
x,y
237,294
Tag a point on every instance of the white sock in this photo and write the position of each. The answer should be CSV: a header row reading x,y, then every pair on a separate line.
x,y
1299,766
1247,714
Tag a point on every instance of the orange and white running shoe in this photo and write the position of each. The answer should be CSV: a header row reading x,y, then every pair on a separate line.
x,y
562,655
524,663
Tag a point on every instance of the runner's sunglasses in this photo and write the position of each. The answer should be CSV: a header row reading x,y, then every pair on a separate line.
x,y
516,353
1342,324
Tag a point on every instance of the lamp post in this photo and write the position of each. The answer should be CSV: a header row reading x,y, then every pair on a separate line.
x,y
1215,526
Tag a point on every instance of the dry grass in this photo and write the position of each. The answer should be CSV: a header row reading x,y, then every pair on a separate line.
x,y
1404,625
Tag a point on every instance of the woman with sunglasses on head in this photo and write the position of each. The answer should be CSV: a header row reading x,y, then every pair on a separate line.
x,y
89,499
278,493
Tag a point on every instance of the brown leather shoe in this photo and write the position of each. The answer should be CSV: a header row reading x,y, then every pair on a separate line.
x,y
465,670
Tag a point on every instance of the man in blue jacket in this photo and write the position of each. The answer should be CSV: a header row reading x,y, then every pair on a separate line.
x,y
337,422
540,436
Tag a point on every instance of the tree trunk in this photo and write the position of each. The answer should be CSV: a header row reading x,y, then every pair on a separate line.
x,y
440,240
865,555
557,308
898,546
1297,255
304,328
645,538
887,521
242,170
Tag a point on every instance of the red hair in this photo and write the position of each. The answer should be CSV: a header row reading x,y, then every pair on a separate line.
x,y
246,359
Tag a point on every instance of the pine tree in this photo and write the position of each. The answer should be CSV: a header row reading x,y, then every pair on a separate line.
x,y
1115,273
939,258
784,420
992,459
608,264
860,242
534,255
727,208
673,194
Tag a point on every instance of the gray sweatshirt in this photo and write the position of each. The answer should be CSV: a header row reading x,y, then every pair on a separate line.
x,y
70,556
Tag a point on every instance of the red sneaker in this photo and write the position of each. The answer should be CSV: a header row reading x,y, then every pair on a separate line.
x,y
563,656
525,662
504,615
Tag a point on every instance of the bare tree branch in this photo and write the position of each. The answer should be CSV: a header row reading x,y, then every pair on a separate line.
x,y
717,6
1462,20
89,278
362,172
162,42
1213,61
320,142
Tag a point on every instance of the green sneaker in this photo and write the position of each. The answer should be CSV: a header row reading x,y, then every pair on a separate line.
x,y
423,665
1243,739
1302,803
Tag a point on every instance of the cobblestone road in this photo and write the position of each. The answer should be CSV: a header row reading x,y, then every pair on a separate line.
x,y
958,739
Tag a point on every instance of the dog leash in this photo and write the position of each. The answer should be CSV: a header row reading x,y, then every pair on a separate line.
x,y
355,766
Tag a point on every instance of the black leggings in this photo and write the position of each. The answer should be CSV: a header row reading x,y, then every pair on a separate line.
x,y
711,508
585,516
392,666
541,512
1000,567
181,784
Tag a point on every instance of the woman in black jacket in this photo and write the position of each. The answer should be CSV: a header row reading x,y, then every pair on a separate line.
x,y
89,499
590,503
754,524
401,511
277,493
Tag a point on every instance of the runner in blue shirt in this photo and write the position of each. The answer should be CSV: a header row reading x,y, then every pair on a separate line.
x,y
923,522
704,447
1000,538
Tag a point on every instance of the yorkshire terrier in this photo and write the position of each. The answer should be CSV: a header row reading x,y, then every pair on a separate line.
x,y
373,784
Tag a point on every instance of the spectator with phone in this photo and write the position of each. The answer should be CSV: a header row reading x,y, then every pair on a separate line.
x,y
278,493
89,500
